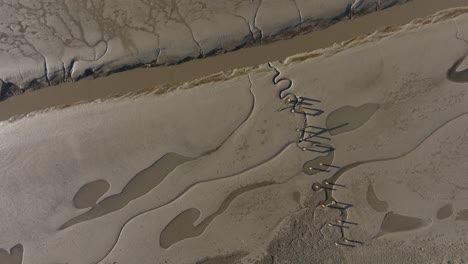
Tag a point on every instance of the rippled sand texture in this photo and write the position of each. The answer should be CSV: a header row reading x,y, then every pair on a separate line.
x,y
48,42
214,172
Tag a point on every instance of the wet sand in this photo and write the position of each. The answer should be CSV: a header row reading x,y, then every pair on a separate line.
x,y
138,186
15,256
90,193
318,165
349,118
141,79
231,259
374,201
445,212
462,215
393,223
182,226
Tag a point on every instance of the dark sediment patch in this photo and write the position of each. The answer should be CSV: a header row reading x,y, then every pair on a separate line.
x,y
458,76
89,194
182,226
15,256
354,117
445,212
376,204
229,259
138,186
462,215
297,197
318,164
394,223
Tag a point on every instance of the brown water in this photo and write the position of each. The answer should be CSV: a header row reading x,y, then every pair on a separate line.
x,y
138,186
141,79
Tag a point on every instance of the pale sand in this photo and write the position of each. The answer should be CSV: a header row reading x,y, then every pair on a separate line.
x,y
140,79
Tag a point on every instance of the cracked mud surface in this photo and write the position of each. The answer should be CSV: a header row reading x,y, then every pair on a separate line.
x,y
45,42
298,162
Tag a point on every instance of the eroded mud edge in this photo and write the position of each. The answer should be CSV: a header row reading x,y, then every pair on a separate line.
x,y
378,35
8,89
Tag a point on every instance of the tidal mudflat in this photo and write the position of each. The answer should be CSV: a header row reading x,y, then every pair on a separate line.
x,y
140,79
49,42
306,160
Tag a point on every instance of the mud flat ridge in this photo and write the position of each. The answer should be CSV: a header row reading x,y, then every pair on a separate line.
x,y
349,154
147,78
44,43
